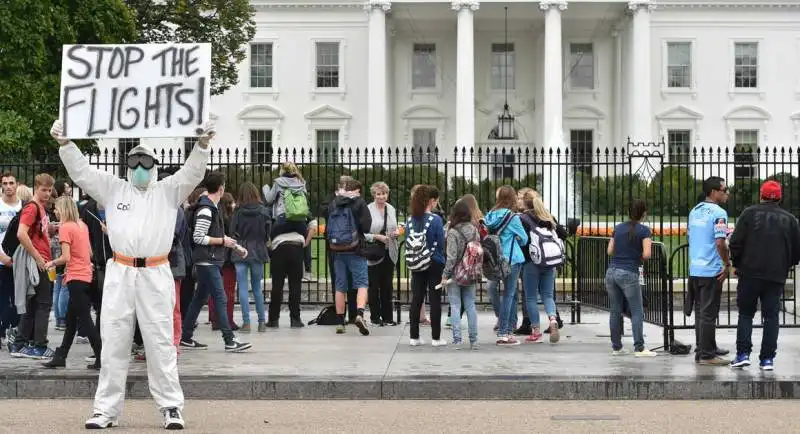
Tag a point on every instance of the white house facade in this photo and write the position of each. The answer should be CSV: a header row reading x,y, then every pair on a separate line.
x,y
588,75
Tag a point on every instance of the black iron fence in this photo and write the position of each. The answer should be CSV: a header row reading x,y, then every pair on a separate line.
x,y
589,188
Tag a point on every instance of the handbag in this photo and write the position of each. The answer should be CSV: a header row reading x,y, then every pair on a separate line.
x,y
376,250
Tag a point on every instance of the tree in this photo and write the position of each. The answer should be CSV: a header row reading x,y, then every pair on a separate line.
x,y
227,24
32,33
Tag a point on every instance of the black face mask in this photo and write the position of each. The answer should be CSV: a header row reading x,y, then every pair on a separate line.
x,y
144,160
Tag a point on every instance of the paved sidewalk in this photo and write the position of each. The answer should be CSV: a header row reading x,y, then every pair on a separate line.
x,y
315,363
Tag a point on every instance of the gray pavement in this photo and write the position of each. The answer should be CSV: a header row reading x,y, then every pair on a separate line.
x,y
441,417
315,363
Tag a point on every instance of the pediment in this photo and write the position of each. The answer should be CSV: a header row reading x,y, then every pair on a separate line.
x,y
260,111
423,112
679,112
584,112
748,112
328,112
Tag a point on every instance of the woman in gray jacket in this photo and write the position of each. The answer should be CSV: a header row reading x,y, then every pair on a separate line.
x,y
462,231
384,233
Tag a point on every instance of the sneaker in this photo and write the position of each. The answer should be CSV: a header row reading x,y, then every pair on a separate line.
x,y
308,277
448,324
362,326
101,421
473,346
425,322
340,329
81,340
620,352
245,328
173,418
742,360
273,324
262,327
192,344
40,353
535,337
235,346
554,334
296,323
416,342
644,353
90,359
716,361
60,328
439,342
17,350
456,345
507,341
767,365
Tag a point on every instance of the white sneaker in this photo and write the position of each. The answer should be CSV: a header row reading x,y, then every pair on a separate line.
x,y
439,342
173,418
621,352
101,421
81,340
644,353
416,342
90,359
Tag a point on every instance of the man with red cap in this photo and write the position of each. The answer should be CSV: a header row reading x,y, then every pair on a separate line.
x,y
764,246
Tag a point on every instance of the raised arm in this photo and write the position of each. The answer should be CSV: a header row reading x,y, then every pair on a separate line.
x,y
97,183
180,185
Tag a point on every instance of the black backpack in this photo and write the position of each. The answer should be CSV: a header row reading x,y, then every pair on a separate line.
x,y
327,316
10,241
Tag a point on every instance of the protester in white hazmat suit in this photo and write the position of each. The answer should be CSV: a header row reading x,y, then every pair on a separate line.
x,y
138,283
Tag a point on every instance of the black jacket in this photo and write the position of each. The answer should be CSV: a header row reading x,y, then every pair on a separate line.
x,y
359,209
765,243
250,226
215,254
101,247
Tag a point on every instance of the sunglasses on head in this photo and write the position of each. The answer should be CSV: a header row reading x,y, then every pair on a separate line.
x,y
136,160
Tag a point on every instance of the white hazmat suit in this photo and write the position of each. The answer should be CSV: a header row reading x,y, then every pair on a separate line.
x,y
141,224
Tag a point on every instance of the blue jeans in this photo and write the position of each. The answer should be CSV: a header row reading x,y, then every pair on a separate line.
x,y
494,298
540,282
209,282
454,295
621,285
256,271
508,306
60,300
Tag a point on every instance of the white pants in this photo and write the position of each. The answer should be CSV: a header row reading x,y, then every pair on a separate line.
x,y
145,295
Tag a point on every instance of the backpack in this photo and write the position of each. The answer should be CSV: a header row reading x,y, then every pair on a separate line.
x,y
545,247
295,204
10,241
418,255
495,265
342,230
470,269
327,316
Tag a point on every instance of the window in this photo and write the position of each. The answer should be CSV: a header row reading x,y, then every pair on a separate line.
x,y
746,65
328,65
504,166
581,143
745,154
125,146
328,146
188,145
503,60
261,65
680,144
424,64
424,150
581,70
679,64
261,146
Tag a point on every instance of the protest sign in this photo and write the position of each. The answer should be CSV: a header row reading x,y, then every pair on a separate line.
x,y
127,91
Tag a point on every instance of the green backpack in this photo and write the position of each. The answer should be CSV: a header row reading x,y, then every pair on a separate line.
x,y
295,204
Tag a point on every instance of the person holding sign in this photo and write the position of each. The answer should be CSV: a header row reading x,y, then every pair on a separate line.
x,y
138,283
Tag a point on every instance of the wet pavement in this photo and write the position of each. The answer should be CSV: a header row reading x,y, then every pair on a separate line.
x,y
315,363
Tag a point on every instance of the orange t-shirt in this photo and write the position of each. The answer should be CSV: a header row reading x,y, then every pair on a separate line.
x,y
76,235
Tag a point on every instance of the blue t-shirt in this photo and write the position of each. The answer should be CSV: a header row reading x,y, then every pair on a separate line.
x,y
627,248
707,222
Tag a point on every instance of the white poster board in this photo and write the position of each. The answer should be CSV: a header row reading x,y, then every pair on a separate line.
x,y
128,91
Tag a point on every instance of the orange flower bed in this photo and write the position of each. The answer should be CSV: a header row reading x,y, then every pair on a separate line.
x,y
606,231
321,230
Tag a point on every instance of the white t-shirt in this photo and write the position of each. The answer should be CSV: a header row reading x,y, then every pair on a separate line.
x,y
7,212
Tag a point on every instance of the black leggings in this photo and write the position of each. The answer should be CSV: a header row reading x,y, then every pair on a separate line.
x,y
79,316
425,282
380,291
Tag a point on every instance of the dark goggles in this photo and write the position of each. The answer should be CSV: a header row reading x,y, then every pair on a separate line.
x,y
143,160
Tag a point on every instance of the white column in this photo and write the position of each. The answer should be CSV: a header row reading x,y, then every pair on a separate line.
x,y
553,73
641,111
465,73
377,82
618,138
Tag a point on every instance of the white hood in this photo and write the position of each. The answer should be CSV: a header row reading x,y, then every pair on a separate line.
x,y
146,150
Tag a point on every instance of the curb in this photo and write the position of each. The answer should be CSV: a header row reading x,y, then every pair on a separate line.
x,y
417,388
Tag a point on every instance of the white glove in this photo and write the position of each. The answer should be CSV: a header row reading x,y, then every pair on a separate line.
x,y
207,133
57,131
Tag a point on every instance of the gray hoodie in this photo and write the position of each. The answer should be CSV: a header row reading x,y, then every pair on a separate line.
x,y
274,196
456,242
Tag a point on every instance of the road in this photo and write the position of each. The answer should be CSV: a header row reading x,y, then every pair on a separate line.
x,y
573,417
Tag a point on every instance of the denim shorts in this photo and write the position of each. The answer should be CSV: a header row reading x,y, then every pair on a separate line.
x,y
350,264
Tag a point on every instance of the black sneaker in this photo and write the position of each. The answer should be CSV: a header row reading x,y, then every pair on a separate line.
x,y
192,344
273,324
235,346
297,324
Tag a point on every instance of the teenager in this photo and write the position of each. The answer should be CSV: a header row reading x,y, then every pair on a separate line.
x,y
462,231
250,225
